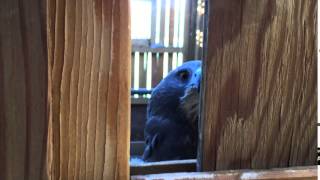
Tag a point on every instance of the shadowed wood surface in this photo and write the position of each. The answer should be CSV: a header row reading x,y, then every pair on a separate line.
x,y
23,90
174,166
301,173
89,85
259,92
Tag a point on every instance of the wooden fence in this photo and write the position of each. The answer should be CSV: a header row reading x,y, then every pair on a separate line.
x,y
66,69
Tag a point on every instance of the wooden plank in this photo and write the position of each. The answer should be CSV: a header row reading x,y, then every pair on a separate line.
x,y
190,30
132,69
156,49
80,132
259,88
162,167
153,21
170,58
162,21
23,90
309,172
90,80
171,22
157,68
142,70
139,101
188,27
74,83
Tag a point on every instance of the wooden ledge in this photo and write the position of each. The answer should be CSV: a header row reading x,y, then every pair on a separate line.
x,y
163,167
305,172
139,101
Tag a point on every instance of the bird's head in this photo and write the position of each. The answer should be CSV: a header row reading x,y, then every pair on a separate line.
x,y
171,128
177,95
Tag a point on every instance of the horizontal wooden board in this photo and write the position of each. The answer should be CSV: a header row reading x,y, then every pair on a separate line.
x,y
296,173
156,49
163,167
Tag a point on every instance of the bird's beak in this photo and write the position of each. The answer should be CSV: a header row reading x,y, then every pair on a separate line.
x,y
196,79
199,77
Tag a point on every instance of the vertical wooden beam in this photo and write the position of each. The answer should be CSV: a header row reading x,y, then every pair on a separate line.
x,y
23,90
171,22
157,68
190,30
162,21
132,69
259,89
153,21
143,70
89,89
170,59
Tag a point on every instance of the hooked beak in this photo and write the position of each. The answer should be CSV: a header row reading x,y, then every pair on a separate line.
x,y
196,79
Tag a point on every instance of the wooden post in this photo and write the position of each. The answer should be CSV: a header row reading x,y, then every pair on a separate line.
x,y
259,87
89,89
23,90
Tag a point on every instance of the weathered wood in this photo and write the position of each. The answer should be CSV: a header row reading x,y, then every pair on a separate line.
x,y
170,59
132,69
303,173
162,21
156,49
163,167
139,101
171,21
259,85
23,90
143,70
157,68
89,84
189,30
190,34
153,21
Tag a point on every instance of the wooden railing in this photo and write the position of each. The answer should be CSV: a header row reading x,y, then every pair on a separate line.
x,y
166,48
150,65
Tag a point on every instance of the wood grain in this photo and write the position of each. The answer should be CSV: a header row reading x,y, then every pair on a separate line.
x,y
23,90
297,173
259,92
89,84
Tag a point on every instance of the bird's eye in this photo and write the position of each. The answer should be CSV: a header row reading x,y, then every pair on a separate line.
x,y
183,75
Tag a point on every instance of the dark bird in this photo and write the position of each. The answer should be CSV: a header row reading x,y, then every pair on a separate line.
x,y
171,131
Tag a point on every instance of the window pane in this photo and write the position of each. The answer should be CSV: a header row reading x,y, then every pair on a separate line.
x,y
141,19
